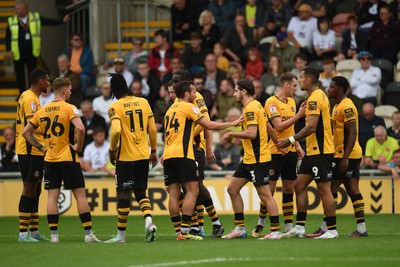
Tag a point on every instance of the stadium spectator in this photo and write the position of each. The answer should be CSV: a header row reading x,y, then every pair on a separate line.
x,y
368,121
379,149
281,48
183,19
254,65
46,97
209,29
392,167
301,29
195,53
394,130
81,61
260,93
271,79
328,72
23,40
212,76
95,156
354,40
227,154
222,62
384,36
198,80
119,67
9,158
161,106
136,88
176,64
254,12
365,81
224,13
64,70
91,120
277,16
237,39
160,55
235,72
300,62
224,100
319,7
102,102
324,40
150,83
367,12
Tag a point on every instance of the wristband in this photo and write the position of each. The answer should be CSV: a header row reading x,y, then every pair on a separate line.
x,y
292,140
153,151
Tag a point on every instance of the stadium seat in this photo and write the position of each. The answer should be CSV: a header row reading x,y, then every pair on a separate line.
x,y
386,111
346,67
264,48
316,64
339,22
392,94
397,72
267,39
386,68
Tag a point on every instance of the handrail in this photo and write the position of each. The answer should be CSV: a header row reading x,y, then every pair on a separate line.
x,y
78,6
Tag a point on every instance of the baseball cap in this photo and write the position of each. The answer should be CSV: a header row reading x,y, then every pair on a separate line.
x,y
118,60
365,53
195,35
281,35
305,8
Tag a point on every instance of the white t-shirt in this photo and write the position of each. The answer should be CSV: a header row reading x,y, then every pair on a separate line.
x,y
366,83
44,100
303,30
162,67
323,41
97,156
100,105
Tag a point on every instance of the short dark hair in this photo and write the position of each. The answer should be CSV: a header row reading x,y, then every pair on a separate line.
x,y
161,33
98,129
313,73
323,19
36,75
342,82
287,77
182,87
60,82
181,75
198,75
246,84
301,56
396,151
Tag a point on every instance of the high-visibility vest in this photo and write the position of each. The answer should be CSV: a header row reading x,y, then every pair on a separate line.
x,y
34,29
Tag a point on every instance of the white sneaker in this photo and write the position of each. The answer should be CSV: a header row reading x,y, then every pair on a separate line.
x,y
235,234
91,238
150,232
294,233
328,235
54,239
116,240
271,236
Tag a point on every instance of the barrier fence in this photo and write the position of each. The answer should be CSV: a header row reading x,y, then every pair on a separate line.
x,y
381,195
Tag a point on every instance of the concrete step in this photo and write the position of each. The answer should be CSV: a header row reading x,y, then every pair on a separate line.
x,y
7,116
9,92
142,24
10,4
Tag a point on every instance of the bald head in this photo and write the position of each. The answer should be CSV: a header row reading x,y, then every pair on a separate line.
x,y
368,111
380,134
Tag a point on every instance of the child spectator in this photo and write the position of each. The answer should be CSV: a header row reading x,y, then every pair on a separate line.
x,y
222,61
328,73
394,131
95,156
392,167
254,65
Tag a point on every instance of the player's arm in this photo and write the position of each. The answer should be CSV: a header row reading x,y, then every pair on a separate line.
x,y
280,125
114,138
249,133
151,129
27,133
80,133
213,125
351,129
311,127
208,134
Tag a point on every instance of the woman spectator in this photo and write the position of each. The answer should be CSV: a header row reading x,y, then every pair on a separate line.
x,y
235,72
271,79
324,40
208,29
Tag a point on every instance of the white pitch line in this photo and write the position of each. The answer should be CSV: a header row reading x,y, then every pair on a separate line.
x,y
292,259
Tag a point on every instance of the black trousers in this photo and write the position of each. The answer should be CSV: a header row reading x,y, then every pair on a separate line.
x,y
19,67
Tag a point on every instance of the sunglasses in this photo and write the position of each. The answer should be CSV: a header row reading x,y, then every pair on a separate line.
x,y
137,44
365,58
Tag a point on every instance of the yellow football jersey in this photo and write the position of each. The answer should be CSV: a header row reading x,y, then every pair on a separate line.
x,y
319,142
343,113
179,123
134,114
28,105
276,108
255,150
54,121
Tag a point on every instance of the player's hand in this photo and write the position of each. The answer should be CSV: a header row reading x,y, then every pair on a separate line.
x,y
284,143
153,159
210,156
300,152
302,109
44,150
283,151
66,18
238,121
344,166
225,137
76,148
111,154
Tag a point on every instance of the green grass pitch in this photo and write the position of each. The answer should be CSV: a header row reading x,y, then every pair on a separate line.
x,y
381,248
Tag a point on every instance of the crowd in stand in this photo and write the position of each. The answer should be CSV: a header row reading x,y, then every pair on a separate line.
x,y
225,44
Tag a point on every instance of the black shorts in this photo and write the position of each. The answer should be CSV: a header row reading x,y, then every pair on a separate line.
x,y
353,170
131,175
200,158
179,170
258,173
318,166
31,167
66,171
284,165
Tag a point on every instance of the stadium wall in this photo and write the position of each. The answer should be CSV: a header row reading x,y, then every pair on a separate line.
x,y
381,194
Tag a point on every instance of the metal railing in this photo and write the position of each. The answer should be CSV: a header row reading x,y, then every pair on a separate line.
x,y
79,20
